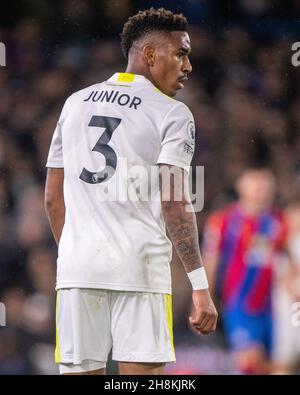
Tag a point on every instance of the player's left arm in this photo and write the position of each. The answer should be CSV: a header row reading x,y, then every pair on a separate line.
x,y
180,220
54,201
54,196
177,132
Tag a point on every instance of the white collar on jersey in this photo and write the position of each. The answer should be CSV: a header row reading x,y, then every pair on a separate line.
x,y
128,78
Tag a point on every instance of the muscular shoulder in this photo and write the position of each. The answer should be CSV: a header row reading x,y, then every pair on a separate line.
x,y
170,106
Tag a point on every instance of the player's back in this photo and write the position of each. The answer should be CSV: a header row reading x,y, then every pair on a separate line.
x,y
111,136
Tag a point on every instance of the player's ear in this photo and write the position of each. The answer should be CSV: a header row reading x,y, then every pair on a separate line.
x,y
149,55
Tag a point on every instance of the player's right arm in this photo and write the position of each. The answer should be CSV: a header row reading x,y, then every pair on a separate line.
x,y
54,196
180,221
54,201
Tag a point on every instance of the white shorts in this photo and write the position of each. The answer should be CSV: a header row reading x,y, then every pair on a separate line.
x,y
89,322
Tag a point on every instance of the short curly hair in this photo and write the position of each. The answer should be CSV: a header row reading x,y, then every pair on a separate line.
x,y
148,21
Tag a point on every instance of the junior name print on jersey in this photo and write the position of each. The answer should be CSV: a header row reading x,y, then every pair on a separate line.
x,y
123,99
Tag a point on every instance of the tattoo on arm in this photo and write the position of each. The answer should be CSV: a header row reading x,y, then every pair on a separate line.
x,y
184,234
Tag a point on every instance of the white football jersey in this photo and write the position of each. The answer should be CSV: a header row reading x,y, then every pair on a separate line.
x,y
109,139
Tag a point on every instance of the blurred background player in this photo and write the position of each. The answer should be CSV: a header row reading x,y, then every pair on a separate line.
x,y
241,245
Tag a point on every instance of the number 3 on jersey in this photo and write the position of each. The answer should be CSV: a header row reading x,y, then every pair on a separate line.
x,y
110,124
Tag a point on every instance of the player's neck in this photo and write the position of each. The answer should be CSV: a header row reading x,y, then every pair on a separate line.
x,y
140,70
252,209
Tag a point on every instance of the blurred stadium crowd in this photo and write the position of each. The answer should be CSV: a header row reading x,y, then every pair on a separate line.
x,y
243,92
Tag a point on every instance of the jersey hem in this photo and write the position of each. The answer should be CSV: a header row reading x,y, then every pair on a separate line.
x,y
113,287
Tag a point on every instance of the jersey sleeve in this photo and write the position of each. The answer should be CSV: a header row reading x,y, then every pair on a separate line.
x,y
177,137
55,155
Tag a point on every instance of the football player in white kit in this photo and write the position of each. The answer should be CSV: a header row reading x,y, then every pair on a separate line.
x,y
113,274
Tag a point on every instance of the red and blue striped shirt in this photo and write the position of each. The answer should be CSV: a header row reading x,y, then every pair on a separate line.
x,y
247,247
